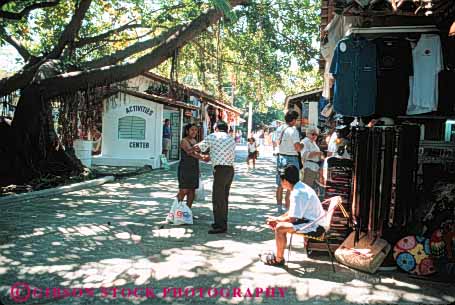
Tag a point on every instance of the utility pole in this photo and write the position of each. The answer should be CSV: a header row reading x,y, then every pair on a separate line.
x,y
250,119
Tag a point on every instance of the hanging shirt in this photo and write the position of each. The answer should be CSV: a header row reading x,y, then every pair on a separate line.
x,y
332,145
427,62
309,147
393,71
354,69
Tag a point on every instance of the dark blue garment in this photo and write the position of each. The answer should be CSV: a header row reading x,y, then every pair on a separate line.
x,y
354,69
166,132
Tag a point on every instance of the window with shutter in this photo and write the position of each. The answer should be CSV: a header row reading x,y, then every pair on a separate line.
x,y
131,128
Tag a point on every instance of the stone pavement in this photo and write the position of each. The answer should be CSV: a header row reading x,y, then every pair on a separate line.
x,y
110,239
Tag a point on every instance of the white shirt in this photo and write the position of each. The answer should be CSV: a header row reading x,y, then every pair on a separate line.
x,y
222,148
308,147
427,63
252,147
290,137
332,145
304,203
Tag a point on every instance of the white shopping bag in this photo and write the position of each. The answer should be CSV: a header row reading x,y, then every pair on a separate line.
x,y
170,215
200,192
183,214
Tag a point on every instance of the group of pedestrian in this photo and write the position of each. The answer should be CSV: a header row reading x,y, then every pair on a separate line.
x,y
303,154
304,212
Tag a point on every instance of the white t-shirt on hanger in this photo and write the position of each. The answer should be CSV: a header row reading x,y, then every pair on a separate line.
x,y
427,63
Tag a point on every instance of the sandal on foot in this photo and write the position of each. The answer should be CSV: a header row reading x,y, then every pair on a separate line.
x,y
271,260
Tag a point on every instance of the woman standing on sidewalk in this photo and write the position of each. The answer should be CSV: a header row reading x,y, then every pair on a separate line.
x,y
188,169
311,154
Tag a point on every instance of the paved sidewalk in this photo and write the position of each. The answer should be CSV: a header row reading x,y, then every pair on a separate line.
x,y
112,236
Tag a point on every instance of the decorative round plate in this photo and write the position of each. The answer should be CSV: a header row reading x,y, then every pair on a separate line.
x,y
412,254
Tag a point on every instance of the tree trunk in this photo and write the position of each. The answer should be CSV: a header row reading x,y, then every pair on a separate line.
x,y
34,148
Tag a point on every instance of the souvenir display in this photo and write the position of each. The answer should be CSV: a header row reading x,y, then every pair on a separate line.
x,y
412,254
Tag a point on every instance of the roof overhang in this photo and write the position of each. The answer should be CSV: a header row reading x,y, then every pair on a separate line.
x,y
158,99
308,95
204,97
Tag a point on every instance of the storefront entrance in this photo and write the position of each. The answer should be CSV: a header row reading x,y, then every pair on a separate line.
x,y
174,115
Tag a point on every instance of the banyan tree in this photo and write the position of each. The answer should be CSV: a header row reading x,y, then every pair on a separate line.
x,y
71,74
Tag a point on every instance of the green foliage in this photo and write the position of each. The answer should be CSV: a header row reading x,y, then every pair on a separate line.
x,y
248,55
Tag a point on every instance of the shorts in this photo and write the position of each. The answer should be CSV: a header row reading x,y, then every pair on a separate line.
x,y
281,162
252,155
166,144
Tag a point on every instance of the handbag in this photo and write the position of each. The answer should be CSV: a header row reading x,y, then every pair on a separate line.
x,y
365,255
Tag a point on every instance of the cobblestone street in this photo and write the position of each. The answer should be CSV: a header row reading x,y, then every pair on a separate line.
x,y
113,236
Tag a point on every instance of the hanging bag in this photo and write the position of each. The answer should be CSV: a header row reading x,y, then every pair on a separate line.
x,y
180,214
170,215
183,214
200,192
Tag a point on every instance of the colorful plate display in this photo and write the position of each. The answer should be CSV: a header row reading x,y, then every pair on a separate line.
x,y
412,254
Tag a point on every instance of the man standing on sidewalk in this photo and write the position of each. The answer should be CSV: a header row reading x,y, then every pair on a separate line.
x,y
288,151
221,148
167,135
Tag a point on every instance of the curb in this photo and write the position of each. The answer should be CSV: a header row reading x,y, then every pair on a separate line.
x,y
56,190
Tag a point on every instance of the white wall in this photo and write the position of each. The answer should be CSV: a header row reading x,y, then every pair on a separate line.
x,y
113,147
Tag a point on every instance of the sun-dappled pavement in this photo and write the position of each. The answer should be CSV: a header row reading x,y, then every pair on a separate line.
x,y
111,240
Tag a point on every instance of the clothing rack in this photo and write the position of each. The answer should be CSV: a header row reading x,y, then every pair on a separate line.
x,y
394,29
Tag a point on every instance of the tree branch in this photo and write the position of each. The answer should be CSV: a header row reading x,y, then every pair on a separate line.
x,y
70,82
16,44
70,32
214,55
131,50
88,40
25,11
20,79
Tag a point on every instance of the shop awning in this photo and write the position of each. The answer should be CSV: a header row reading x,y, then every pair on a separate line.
x,y
158,99
224,106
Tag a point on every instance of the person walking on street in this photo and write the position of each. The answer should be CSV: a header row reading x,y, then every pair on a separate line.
x,y
188,169
167,135
221,149
252,152
288,150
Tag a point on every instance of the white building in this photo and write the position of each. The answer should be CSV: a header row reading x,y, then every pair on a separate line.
x,y
133,126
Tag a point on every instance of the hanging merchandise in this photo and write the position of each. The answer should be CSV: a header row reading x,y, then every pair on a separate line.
x,y
394,69
338,27
427,63
354,69
384,186
412,254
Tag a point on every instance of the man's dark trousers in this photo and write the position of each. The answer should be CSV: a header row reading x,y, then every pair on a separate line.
x,y
223,176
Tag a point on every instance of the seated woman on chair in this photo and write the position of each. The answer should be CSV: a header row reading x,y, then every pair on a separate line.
x,y
304,215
